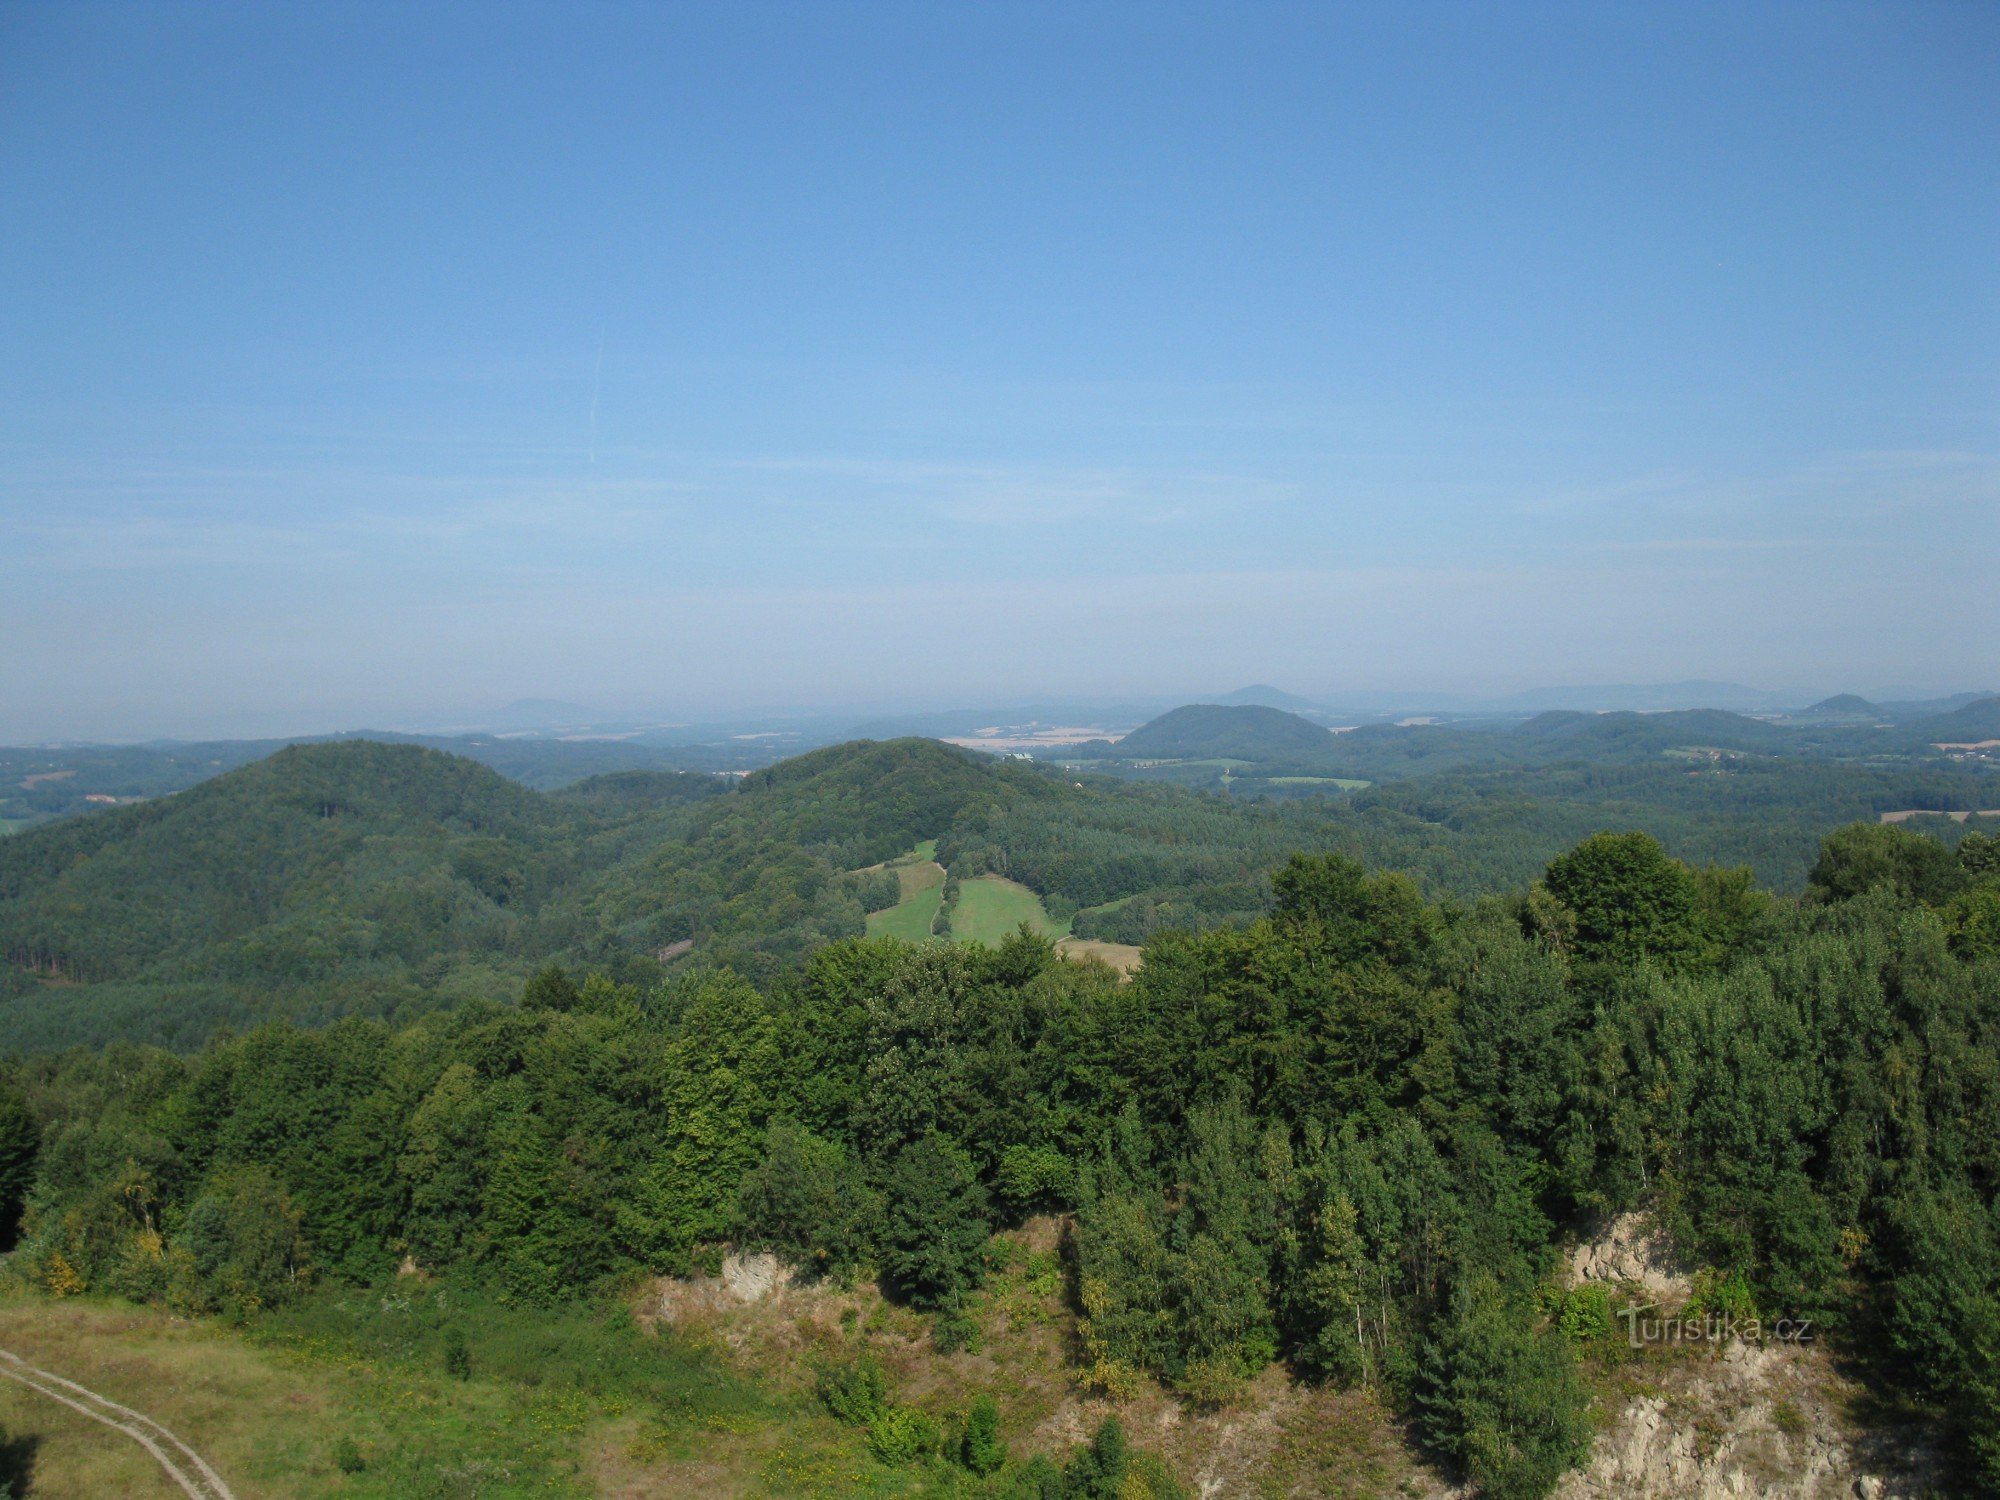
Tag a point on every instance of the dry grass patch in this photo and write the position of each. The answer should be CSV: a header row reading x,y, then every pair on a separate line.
x,y
237,1406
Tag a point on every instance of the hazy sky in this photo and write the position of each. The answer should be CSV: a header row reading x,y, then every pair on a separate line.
x,y
370,365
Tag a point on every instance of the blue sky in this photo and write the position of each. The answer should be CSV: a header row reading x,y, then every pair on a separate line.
x,y
374,365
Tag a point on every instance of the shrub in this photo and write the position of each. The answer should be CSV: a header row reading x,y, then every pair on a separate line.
x,y
1584,1314
853,1390
902,1435
1501,1397
1033,1177
981,1449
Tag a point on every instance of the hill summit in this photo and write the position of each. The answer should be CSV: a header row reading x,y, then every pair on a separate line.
x,y
1844,704
1235,731
1263,695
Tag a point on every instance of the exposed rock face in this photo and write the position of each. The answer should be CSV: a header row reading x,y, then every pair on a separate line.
x,y
1749,1420
752,1278
1735,1418
744,1279
1631,1250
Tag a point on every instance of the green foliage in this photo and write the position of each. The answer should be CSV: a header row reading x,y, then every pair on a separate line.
x,y
1340,1133
980,1448
902,1435
550,989
1583,1314
20,1142
1110,1469
457,1358
854,1390
1631,901
347,1456
1031,1177
245,1244
716,1073
934,1227
1883,856
807,1201
1500,1397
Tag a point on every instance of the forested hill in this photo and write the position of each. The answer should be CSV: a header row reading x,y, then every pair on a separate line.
x,y
389,837
1979,720
364,878
357,854
1238,732
357,876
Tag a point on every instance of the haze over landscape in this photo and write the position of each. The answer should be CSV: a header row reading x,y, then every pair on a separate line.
x,y
721,360
1094,751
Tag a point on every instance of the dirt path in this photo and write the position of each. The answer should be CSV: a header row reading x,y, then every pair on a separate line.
x,y
184,1466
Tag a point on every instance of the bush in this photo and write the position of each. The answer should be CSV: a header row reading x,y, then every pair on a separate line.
x,y
981,1450
934,1234
1031,1177
1584,1314
853,1390
902,1435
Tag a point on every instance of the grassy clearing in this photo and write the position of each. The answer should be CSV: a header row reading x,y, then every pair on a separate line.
x,y
919,878
992,906
922,881
910,919
691,1392
347,1395
267,1426
13,825
1345,783
1124,957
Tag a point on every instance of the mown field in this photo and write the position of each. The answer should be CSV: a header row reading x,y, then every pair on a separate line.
x,y
922,881
992,906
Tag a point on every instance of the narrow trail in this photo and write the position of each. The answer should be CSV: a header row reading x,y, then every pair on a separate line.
x,y
184,1466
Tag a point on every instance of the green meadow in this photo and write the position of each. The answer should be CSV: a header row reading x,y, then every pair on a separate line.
x,y
923,890
992,906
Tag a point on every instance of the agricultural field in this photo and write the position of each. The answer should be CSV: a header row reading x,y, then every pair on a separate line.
x,y
1124,957
992,906
1345,783
922,881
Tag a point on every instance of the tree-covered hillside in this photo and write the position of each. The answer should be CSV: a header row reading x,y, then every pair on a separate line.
x,y
237,876
42,783
1235,731
1349,1136
361,878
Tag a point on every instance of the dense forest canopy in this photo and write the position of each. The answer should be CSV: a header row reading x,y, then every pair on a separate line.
x,y
357,877
1349,1134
